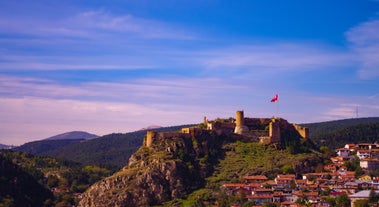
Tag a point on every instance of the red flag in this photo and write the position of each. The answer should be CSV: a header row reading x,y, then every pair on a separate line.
x,y
275,98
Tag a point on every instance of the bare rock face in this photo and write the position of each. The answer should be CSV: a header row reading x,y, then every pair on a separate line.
x,y
169,169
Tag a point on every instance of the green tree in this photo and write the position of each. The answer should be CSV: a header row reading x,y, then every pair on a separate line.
x,y
248,204
358,172
362,203
326,151
52,181
287,169
331,201
270,204
343,200
373,197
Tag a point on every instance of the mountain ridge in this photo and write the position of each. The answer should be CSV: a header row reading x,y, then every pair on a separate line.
x,y
73,135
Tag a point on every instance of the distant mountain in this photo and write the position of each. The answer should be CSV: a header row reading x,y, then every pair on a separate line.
x,y
56,142
73,135
42,147
3,146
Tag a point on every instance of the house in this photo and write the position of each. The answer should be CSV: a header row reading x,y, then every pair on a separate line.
x,y
348,176
367,146
234,188
375,182
351,147
284,182
369,163
330,168
301,183
343,152
363,154
361,195
260,196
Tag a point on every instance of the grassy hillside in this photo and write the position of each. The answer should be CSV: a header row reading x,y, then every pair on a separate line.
x,y
112,149
246,158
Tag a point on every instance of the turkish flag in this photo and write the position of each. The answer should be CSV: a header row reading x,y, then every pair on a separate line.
x,y
275,98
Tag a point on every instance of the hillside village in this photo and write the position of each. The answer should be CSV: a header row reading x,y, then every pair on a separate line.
x,y
312,189
291,190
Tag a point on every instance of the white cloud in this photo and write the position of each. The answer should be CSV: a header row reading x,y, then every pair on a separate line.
x,y
364,41
277,57
147,90
92,24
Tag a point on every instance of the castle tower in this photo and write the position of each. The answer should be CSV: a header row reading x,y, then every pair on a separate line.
x,y
274,131
205,121
239,118
148,141
240,127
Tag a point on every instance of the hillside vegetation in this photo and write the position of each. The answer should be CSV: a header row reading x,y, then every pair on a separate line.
x,y
16,185
361,133
240,159
43,147
108,150
28,180
319,128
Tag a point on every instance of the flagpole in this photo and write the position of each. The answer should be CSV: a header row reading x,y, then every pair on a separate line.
x,y
273,100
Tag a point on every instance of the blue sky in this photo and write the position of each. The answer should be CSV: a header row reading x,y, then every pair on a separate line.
x,y
119,66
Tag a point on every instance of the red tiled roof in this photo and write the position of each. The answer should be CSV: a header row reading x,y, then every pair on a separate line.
x,y
286,176
283,179
234,185
286,203
301,181
259,196
255,177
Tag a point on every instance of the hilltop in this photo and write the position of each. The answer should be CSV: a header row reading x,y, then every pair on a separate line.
x,y
116,149
44,146
172,165
73,135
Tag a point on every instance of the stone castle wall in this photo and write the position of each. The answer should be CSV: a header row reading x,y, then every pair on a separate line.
x,y
254,131
303,131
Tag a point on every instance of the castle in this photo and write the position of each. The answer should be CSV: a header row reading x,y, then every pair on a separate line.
x,y
262,130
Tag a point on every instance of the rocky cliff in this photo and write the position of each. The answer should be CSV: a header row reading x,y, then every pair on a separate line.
x,y
168,169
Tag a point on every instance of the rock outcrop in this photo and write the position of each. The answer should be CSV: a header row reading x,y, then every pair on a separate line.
x,y
168,169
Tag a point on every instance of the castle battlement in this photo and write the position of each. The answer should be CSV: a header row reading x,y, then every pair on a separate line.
x,y
262,130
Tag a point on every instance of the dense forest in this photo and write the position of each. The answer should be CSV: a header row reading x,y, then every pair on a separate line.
x,y
360,133
28,180
319,128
